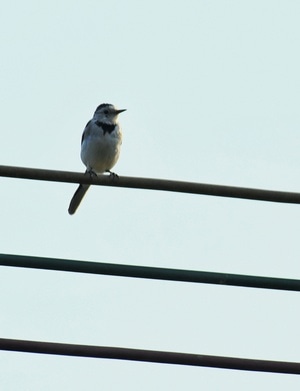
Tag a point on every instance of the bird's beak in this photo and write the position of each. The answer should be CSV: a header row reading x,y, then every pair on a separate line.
x,y
120,111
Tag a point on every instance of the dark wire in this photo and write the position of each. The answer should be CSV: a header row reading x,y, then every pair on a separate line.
x,y
152,356
151,184
148,272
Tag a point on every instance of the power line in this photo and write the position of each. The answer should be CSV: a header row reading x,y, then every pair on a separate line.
x,y
152,356
149,272
151,184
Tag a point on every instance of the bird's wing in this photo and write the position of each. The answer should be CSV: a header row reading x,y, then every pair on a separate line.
x,y
86,131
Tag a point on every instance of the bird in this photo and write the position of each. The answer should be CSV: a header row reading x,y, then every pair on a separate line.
x,y
100,147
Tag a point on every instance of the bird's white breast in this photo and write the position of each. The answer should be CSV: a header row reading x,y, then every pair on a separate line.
x,y
100,150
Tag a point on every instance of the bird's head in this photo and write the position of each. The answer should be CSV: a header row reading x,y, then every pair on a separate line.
x,y
107,113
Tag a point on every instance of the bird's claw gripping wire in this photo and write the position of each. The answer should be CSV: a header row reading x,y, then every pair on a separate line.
x,y
112,175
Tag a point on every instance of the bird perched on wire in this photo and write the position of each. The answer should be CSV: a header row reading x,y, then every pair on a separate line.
x,y
100,147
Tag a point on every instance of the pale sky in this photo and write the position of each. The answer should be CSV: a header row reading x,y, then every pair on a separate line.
x,y
212,92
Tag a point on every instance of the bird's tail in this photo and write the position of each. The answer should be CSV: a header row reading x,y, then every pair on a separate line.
x,y
77,198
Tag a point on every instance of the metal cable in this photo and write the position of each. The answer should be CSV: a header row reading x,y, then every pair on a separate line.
x,y
151,184
156,273
149,356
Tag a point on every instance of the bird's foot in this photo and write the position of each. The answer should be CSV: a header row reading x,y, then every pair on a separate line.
x,y
112,175
91,173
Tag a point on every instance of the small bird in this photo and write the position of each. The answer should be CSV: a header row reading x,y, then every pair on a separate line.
x,y
100,147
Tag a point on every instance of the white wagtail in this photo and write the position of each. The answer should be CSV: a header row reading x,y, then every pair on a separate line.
x,y
100,147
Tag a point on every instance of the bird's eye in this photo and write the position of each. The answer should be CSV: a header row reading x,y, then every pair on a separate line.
x,y
105,111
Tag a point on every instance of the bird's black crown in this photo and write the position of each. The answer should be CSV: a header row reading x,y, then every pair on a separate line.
x,y
102,106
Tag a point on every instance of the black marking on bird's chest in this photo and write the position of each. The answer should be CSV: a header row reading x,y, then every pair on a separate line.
x,y
107,128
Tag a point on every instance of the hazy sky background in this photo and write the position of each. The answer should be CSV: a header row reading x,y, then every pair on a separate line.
x,y
212,90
